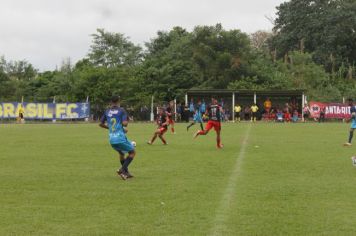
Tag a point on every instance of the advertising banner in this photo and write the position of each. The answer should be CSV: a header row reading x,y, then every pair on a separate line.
x,y
331,110
43,111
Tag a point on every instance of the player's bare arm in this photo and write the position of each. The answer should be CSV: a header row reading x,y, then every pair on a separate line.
x,y
167,122
103,125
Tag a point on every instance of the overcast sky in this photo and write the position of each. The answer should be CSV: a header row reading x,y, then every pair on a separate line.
x,y
44,32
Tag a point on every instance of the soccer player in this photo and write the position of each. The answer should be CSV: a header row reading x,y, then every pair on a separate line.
x,y
353,122
163,123
169,112
254,109
214,113
115,119
21,118
197,117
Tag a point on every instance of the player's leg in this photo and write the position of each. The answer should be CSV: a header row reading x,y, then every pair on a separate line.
x,y
205,131
122,158
130,149
160,135
125,166
122,161
217,128
156,133
162,139
351,135
193,123
201,125
171,122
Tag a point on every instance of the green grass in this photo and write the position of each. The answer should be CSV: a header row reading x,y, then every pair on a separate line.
x,y
60,180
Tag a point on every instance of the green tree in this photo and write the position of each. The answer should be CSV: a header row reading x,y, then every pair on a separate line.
x,y
113,49
324,28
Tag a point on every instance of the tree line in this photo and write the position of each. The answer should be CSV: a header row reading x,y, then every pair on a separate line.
x,y
312,46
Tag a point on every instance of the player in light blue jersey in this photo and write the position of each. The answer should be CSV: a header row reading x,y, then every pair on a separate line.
x,y
353,122
115,120
197,118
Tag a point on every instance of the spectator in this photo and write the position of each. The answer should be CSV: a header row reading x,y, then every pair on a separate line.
x,y
287,108
322,115
237,110
203,107
295,116
186,114
287,116
272,115
191,108
267,105
279,116
247,112
254,109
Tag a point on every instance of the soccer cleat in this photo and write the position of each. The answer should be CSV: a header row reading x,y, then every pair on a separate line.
x,y
149,143
122,174
220,146
353,160
129,175
347,144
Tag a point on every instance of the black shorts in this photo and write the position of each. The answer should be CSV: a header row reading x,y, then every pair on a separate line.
x,y
254,114
21,115
306,116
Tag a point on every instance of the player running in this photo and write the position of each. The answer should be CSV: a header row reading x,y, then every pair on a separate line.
x,y
214,113
115,119
163,123
353,122
170,113
197,117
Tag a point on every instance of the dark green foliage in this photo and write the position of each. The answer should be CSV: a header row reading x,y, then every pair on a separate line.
x,y
324,28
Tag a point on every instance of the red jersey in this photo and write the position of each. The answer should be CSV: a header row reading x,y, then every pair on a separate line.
x,y
169,113
161,119
214,112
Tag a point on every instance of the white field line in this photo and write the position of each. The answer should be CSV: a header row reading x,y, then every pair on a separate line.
x,y
228,195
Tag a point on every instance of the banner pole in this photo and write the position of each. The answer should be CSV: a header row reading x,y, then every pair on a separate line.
x,y
87,103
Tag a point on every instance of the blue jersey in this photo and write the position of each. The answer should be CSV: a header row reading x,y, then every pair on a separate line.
x,y
114,118
353,117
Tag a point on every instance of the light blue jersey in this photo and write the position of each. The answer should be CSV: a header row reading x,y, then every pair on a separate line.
x,y
197,116
353,117
114,118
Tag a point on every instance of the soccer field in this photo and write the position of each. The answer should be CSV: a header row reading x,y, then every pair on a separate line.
x,y
270,179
